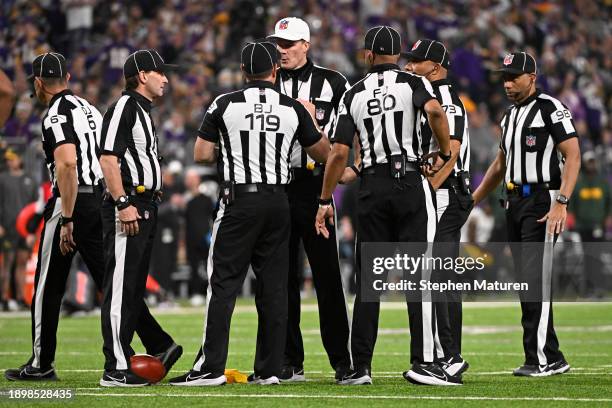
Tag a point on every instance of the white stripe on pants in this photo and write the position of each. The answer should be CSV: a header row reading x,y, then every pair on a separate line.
x,y
117,295
209,271
47,246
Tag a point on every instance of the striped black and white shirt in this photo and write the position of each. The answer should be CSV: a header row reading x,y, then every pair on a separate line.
x,y
257,128
385,108
321,86
530,133
71,119
457,123
128,132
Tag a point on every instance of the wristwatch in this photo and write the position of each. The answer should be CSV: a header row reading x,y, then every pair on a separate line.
x,y
561,199
122,202
65,220
444,156
324,202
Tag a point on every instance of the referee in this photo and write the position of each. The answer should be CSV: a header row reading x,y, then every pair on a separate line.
x,y
430,59
301,79
130,163
71,132
538,160
395,203
255,128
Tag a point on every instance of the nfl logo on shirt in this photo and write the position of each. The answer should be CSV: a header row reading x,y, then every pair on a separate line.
x,y
530,140
283,25
508,59
320,113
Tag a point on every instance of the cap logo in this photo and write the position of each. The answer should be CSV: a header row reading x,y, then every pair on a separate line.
x,y
416,45
283,25
508,59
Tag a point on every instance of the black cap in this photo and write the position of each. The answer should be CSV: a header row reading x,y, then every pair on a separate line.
x,y
258,57
49,65
519,63
145,60
428,50
383,40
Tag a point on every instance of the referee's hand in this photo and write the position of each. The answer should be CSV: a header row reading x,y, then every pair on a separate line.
x,y
129,220
67,243
556,218
325,213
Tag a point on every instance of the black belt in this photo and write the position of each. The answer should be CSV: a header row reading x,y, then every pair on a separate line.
x,y
299,173
382,169
525,190
146,194
260,188
80,190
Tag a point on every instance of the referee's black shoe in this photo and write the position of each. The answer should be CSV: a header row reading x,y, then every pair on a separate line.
x,y
455,365
291,373
358,376
257,380
122,378
430,374
170,356
528,370
199,378
28,373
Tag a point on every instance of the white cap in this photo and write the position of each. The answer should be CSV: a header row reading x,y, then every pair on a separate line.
x,y
291,29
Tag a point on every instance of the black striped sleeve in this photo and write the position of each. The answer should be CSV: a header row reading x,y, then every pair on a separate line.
x,y
117,126
58,127
558,120
422,90
209,129
457,110
345,128
306,133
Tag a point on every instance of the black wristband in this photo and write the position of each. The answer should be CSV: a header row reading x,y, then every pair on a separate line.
x,y
356,170
65,220
122,202
325,202
443,156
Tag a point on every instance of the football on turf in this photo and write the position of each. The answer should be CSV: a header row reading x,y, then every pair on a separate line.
x,y
147,367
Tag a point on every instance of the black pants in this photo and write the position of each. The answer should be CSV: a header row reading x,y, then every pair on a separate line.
x,y
389,210
453,208
126,266
253,230
52,272
323,258
539,338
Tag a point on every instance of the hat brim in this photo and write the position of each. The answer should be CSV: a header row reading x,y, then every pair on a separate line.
x,y
286,37
513,71
411,56
169,68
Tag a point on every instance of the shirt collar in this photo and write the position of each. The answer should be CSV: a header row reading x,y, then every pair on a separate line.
x,y
59,95
383,67
530,98
140,98
301,73
440,82
259,84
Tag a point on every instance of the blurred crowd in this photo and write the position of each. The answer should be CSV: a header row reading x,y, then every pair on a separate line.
x,y
571,41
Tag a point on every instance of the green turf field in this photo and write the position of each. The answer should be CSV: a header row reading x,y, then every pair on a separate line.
x,y
492,345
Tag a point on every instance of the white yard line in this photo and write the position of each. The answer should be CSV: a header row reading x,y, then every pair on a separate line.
x,y
348,397
311,307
